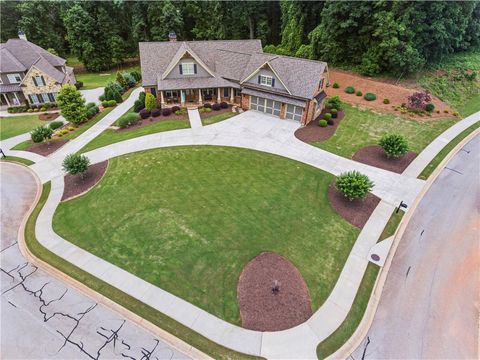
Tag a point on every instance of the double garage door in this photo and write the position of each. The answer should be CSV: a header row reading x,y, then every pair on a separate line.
x,y
273,107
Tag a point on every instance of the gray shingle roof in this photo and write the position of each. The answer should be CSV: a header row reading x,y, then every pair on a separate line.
x,y
7,88
233,60
43,65
195,83
8,63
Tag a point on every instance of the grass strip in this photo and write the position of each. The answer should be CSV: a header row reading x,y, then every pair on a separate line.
x,y
217,118
125,300
18,160
446,150
392,225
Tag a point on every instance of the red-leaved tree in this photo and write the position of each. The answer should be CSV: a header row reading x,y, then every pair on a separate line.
x,y
419,100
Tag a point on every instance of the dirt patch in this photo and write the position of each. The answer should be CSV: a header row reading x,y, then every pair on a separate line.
x,y
375,155
76,185
48,116
384,90
151,120
261,308
46,149
356,212
217,112
313,132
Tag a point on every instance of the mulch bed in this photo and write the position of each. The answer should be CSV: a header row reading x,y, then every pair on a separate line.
x,y
45,149
49,116
375,155
75,184
356,212
151,120
215,112
312,132
263,310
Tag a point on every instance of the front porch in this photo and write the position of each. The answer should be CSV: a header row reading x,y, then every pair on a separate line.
x,y
8,99
185,97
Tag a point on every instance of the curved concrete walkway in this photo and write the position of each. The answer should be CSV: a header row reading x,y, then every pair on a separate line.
x,y
248,130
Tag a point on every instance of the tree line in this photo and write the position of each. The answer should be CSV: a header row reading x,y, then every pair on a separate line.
x,y
396,37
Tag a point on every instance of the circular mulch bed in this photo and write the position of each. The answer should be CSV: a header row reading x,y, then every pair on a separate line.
x,y
76,185
263,310
48,116
313,132
46,149
375,155
356,212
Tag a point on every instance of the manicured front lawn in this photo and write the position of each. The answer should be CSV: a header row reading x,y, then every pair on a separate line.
x,y
188,219
111,136
16,125
18,159
217,118
94,80
361,128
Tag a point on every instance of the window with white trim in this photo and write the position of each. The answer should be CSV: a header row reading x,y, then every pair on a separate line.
x,y
45,97
266,80
14,78
34,98
39,81
188,68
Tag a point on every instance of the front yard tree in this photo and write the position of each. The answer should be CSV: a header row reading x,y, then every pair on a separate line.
x,y
395,145
41,133
76,164
150,102
354,185
72,104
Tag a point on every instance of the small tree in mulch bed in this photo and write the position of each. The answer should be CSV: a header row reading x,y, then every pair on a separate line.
x,y
150,102
354,185
395,145
41,133
76,164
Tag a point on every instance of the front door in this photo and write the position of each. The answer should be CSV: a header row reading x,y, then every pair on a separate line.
x,y
191,95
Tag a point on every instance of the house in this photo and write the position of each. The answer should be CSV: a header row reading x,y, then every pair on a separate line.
x,y
30,74
233,71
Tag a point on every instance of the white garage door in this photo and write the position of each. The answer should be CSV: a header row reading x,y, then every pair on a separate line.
x,y
294,112
265,105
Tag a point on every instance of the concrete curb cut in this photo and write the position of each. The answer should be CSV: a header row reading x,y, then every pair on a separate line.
x,y
362,330
156,331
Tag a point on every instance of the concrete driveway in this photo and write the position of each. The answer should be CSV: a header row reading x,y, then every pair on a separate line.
x,y
92,95
430,304
41,318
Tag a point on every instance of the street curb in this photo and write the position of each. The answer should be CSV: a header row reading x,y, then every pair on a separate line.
x,y
156,331
361,332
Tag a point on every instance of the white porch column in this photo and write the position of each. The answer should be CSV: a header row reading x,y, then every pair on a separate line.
x,y
162,99
181,97
16,98
200,96
218,95
6,98
231,95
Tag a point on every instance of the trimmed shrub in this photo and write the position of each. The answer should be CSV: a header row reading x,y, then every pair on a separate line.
x,y
136,75
350,90
79,84
156,112
207,105
90,105
142,96
334,102
76,164
354,185
41,133
335,85
127,119
150,101
223,105
330,122
394,145
167,112
205,110
91,112
43,108
117,97
121,80
334,113
129,80
72,104
175,108
445,111
102,97
419,100
216,106
144,113
55,125
430,107
36,110
138,105
111,103
322,123
327,116
386,101
181,112
370,96
29,110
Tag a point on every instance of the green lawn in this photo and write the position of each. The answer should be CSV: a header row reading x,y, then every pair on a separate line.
x,y
217,118
124,300
72,135
111,136
392,225
446,150
16,125
93,80
188,219
362,127
18,159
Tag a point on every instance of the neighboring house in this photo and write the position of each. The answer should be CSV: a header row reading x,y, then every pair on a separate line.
x,y
30,73
234,71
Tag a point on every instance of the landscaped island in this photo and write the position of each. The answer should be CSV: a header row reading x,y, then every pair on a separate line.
x,y
188,219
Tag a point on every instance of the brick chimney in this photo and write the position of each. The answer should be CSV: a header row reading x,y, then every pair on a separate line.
x,y
21,35
172,36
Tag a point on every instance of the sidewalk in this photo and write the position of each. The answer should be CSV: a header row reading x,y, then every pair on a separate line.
x,y
194,117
